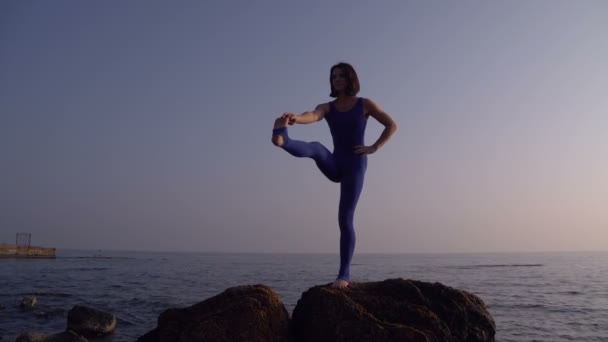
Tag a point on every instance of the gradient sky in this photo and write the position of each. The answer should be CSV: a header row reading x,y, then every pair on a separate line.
x,y
146,125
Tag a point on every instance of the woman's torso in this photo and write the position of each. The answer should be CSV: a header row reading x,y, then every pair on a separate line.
x,y
347,127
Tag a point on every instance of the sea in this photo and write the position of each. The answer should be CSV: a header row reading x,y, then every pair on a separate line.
x,y
556,296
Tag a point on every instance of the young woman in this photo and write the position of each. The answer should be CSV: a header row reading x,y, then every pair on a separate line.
x,y
347,117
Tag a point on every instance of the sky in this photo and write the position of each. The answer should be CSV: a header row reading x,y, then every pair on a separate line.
x,y
146,125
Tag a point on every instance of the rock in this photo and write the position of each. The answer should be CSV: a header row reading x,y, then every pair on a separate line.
x,y
31,337
28,302
90,322
66,336
391,310
242,313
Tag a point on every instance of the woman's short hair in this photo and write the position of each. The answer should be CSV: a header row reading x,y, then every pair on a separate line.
x,y
352,81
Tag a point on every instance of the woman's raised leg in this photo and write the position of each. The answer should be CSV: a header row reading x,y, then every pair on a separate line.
x,y
320,154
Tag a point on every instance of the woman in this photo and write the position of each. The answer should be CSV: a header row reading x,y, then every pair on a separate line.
x,y
347,117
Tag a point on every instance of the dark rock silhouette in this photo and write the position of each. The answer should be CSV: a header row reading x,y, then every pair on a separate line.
x,y
82,322
28,302
90,322
391,310
243,313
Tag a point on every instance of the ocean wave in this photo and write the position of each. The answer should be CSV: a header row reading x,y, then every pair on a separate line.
x,y
102,257
123,321
50,313
46,294
521,294
89,269
496,266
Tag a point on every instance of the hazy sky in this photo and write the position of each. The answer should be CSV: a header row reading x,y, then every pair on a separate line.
x,y
146,125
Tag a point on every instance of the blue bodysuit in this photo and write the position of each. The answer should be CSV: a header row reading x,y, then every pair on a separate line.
x,y
342,166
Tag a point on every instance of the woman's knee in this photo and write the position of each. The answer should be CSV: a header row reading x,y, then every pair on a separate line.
x,y
345,220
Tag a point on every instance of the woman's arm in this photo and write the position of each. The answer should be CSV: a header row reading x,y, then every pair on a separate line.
x,y
310,117
389,127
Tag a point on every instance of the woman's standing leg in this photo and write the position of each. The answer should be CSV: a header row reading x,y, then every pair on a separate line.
x,y
350,191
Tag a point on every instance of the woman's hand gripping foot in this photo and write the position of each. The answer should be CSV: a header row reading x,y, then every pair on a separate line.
x,y
280,122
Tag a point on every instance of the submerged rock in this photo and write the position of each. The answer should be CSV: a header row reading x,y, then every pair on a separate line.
x,y
90,322
28,302
391,310
82,321
242,313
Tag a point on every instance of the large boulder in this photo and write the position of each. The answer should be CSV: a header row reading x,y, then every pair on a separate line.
x,y
391,310
243,313
90,322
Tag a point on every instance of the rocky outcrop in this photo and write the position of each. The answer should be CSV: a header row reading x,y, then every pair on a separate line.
x,y
82,322
243,313
90,322
391,310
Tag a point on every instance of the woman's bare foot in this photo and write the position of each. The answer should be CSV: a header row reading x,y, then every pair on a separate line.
x,y
339,283
280,122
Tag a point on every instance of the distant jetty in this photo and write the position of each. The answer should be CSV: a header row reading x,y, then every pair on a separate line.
x,y
23,249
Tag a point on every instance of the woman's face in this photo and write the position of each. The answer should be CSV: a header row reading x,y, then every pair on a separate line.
x,y
338,79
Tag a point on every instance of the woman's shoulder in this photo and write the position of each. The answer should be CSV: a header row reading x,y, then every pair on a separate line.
x,y
326,106
368,103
